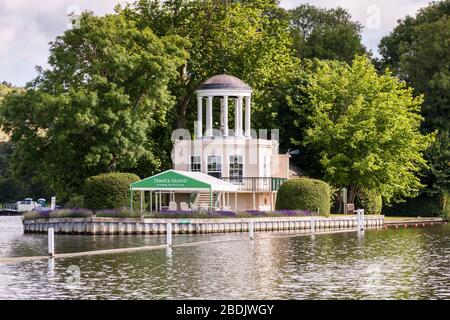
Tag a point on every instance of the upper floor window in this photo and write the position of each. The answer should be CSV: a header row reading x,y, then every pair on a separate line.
x,y
236,169
215,166
196,164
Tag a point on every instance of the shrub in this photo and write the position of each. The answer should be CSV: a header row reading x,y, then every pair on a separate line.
x,y
118,213
369,200
304,194
423,205
65,213
446,205
76,201
109,190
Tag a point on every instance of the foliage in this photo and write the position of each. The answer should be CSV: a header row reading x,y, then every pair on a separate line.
x,y
328,34
14,188
365,127
65,213
228,214
76,201
418,52
437,176
304,194
109,190
369,200
95,108
118,213
423,205
247,39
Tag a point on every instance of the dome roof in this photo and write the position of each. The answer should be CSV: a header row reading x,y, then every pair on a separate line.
x,y
224,81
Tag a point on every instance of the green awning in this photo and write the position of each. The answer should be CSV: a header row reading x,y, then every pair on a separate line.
x,y
173,180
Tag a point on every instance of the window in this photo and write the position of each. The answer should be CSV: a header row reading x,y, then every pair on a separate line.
x,y
196,164
215,166
236,169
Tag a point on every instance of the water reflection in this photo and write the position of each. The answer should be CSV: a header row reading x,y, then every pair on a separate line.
x,y
376,264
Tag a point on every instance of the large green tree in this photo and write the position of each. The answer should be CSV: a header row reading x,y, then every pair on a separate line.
x,y
329,34
247,39
105,93
418,51
365,128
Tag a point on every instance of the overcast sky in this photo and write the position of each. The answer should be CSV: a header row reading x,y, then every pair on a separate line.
x,y
27,26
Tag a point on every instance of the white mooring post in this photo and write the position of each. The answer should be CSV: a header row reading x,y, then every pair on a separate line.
x,y
360,218
312,225
51,242
251,230
169,234
363,227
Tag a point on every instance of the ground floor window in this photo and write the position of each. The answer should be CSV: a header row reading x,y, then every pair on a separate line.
x,y
236,169
215,166
196,164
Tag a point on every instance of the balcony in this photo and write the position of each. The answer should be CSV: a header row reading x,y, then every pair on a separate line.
x,y
260,184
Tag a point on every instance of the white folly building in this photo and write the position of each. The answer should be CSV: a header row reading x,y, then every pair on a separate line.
x,y
235,155
243,170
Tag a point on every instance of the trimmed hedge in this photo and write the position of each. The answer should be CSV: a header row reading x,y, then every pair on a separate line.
x,y
109,191
369,200
304,194
422,205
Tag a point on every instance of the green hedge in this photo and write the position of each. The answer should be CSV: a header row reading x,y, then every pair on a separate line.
x,y
369,200
109,191
304,194
423,206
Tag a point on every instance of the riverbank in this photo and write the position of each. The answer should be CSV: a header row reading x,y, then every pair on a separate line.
x,y
396,222
128,226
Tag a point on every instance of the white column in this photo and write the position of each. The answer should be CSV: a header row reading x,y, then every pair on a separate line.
x,y
240,103
247,117
236,117
199,133
225,116
209,117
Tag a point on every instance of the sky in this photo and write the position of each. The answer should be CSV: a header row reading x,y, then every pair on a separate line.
x,y
27,26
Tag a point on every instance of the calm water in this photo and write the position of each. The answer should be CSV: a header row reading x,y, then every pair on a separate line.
x,y
379,264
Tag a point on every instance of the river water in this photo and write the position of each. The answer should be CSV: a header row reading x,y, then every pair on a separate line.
x,y
411,263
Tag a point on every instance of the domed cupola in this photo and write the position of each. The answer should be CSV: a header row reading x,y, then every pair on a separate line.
x,y
228,89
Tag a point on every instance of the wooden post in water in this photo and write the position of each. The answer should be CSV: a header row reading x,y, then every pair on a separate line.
x,y
51,242
312,225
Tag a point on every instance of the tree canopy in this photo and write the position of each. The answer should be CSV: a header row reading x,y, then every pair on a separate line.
x,y
418,51
365,127
328,34
248,39
106,91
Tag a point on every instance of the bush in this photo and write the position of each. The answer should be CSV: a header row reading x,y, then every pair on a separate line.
x,y
65,213
118,213
369,200
109,190
304,194
423,206
76,201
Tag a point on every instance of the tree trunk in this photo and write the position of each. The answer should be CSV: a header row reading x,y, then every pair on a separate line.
x,y
181,112
352,190
113,165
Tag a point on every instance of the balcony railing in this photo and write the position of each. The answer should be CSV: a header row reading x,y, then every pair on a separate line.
x,y
261,184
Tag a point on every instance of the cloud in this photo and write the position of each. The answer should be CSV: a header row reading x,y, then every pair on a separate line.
x,y
26,27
